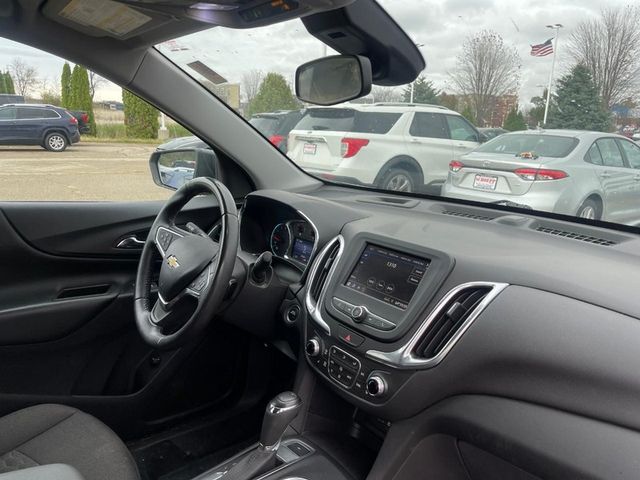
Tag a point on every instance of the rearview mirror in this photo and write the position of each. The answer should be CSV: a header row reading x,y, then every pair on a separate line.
x,y
332,80
173,168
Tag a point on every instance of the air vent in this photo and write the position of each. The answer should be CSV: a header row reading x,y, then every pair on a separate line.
x,y
320,274
448,321
577,236
462,214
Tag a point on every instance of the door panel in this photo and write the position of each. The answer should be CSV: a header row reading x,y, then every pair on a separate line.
x,y
67,331
429,143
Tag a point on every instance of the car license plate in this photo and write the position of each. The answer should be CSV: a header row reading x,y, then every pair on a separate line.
x,y
485,182
310,148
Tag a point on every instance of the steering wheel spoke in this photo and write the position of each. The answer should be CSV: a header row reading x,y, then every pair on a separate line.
x,y
165,236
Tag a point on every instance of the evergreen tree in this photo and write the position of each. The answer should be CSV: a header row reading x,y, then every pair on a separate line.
x,y
80,95
140,118
467,113
423,92
274,94
578,104
8,80
515,121
3,83
65,83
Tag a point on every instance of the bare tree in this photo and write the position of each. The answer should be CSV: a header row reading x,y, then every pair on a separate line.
x,y
25,77
251,83
95,82
385,94
608,46
486,69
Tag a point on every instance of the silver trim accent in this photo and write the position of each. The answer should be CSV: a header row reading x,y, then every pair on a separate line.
x,y
316,347
130,242
382,385
404,357
314,308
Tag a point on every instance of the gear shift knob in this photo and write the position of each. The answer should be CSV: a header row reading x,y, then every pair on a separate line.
x,y
279,414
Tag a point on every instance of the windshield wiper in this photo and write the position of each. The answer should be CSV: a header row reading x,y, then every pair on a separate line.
x,y
510,204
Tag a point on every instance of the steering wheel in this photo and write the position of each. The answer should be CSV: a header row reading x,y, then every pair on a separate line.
x,y
195,271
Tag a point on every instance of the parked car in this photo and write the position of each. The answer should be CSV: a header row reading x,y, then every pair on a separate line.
x,y
83,120
53,128
401,147
588,174
277,125
491,133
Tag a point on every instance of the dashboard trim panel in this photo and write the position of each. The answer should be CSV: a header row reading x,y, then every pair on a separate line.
x,y
404,358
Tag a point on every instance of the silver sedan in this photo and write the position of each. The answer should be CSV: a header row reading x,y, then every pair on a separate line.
x,y
592,175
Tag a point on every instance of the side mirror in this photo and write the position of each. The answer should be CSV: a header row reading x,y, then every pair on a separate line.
x,y
482,138
331,80
173,168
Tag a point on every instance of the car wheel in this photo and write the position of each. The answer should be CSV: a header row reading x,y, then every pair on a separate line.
x,y
589,210
55,142
398,180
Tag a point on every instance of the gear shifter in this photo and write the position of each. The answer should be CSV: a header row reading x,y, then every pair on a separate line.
x,y
279,414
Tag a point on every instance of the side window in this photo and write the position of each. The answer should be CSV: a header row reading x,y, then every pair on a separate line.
x,y
8,113
50,114
26,113
593,155
632,152
461,130
429,125
611,154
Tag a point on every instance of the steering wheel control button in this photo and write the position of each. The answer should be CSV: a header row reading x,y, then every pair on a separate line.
x,y
313,347
165,238
199,283
359,314
349,337
343,368
376,386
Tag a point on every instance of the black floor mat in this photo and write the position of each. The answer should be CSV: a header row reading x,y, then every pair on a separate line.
x,y
187,450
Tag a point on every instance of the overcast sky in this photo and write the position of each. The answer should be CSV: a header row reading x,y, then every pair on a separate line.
x,y
441,25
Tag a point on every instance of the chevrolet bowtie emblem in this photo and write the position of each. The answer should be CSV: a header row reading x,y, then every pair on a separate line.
x,y
172,261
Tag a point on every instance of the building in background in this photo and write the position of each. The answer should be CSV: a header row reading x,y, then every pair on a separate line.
x,y
229,93
501,106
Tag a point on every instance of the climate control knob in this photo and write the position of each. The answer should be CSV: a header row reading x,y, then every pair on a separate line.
x,y
376,385
313,347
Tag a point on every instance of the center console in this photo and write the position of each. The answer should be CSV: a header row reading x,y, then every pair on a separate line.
x,y
366,293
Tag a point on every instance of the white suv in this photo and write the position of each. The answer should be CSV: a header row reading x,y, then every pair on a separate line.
x,y
402,147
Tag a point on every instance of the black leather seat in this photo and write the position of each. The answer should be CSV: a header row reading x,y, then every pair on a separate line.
x,y
47,434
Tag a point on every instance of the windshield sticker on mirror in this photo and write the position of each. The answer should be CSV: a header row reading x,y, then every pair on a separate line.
x,y
106,15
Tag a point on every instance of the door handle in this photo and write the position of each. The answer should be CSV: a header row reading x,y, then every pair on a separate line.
x,y
605,175
637,178
130,242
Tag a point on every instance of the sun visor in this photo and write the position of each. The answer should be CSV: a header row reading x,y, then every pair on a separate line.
x,y
365,28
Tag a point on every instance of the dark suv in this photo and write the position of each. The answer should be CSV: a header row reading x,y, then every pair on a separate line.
x,y
53,128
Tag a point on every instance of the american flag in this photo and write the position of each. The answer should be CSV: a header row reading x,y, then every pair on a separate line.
x,y
543,49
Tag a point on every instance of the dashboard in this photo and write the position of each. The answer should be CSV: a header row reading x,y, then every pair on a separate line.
x,y
404,306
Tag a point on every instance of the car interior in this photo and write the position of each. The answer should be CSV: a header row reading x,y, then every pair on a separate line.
x,y
263,323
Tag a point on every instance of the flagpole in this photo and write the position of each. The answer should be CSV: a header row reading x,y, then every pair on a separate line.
x,y
557,28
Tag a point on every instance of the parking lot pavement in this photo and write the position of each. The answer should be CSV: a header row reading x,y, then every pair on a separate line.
x,y
85,171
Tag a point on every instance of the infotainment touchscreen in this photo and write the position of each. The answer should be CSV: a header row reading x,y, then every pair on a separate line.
x,y
387,275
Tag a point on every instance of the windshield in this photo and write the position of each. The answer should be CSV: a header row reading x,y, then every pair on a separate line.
x,y
565,75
